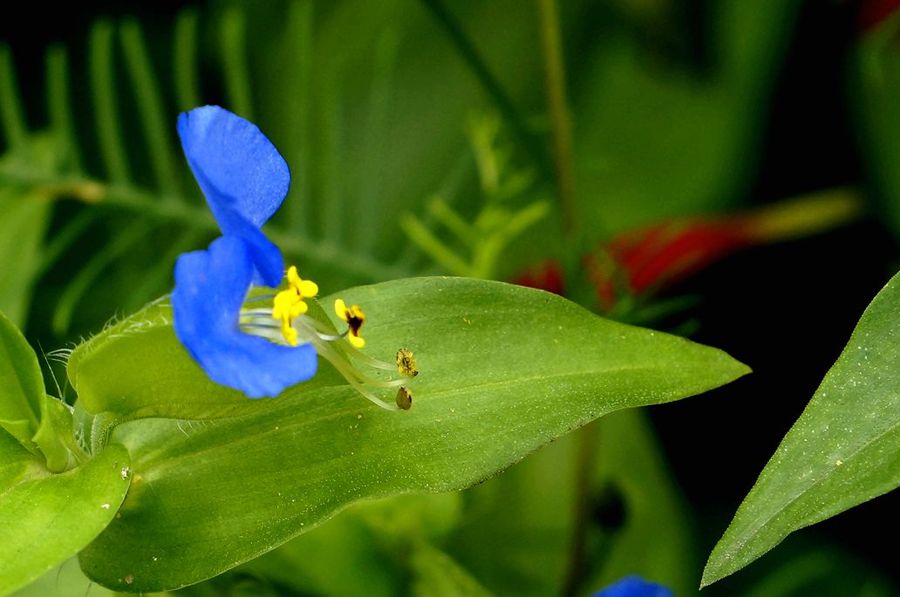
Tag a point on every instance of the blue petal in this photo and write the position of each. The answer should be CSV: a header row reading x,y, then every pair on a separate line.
x,y
210,287
237,167
243,177
634,586
264,254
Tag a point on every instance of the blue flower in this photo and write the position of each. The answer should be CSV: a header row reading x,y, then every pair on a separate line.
x,y
260,351
244,180
634,586
210,288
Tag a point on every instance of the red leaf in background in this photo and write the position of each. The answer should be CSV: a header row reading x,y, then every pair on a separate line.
x,y
546,275
873,12
643,261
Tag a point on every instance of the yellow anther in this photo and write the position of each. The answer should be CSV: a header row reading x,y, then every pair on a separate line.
x,y
355,318
289,304
306,288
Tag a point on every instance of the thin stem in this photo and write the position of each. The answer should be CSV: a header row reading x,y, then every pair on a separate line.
x,y
444,214
153,116
410,256
187,82
235,72
332,207
587,438
428,242
12,116
58,104
470,55
297,119
560,118
63,239
112,149
487,253
377,141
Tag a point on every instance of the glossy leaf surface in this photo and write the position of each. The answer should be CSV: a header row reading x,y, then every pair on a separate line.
x,y
47,518
503,370
843,450
21,384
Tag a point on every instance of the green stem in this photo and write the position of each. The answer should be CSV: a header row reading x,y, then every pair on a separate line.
x,y
58,104
560,118
235,71
12,116
112,148
493,88
299,84
62,240
153,117
428,242
184,66
376,138
588,441
333,210
444,214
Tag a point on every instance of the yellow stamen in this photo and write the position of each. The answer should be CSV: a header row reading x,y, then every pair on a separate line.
x,y
355,318
289,304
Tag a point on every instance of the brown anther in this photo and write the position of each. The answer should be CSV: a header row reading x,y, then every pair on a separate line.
x,y
406,363
404,398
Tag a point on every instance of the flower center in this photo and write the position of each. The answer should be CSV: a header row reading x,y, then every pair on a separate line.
x,y
287,321
289,304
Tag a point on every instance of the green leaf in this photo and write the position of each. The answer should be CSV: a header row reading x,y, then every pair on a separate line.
x,y
517,530
21,384
153,375
23,220
55,434
656,539
47,518
341,557
437,574
65,580
843,450
361,551
503,370
15,461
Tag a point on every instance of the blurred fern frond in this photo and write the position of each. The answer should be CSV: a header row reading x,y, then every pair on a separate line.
x,y
125,172
508,209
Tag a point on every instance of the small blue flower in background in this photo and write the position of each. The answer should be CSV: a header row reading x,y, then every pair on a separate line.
x,y
258,350
634,586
